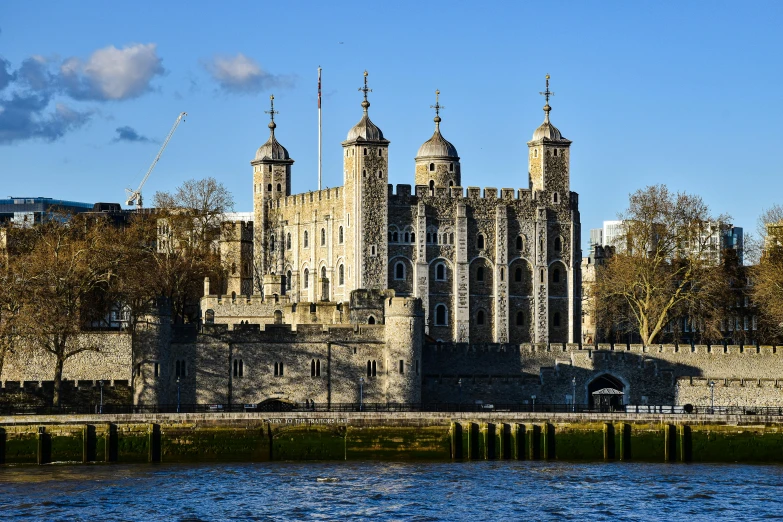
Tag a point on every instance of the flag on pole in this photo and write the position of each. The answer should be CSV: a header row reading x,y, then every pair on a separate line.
x,y
319,87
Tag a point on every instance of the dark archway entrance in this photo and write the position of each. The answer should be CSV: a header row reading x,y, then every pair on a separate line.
x,y
610,396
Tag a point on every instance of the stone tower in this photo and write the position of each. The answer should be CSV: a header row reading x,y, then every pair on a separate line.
x,y
366,175
271,180
556,263
437,162
404,319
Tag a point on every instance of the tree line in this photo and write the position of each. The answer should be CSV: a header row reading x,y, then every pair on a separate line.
x,y
72,272
667,268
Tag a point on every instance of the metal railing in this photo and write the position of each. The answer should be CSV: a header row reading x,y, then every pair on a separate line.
x,y
390,407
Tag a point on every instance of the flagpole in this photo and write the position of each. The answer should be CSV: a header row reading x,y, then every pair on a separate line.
x,y
319,128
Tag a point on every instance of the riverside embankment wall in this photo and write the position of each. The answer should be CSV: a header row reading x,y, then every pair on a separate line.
x,y
385,436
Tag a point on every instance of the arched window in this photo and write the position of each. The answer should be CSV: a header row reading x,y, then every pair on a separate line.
x,y
429,237
413,237
374,368
369,368
432,167
520,319
432,187
306,278
558,244
556,319
441,315
209,316
269,187
279,187
451,167
271,242
365,151
312,368
407,237
318,367
480,241
239,368
480,317
556,275
288,280
306,239
519,243
554,197
399,270
535,153
340,235
371,320
233,297
480,274
502,274
323,236
518,275
364,174
440,272
341,275
233,268
323,272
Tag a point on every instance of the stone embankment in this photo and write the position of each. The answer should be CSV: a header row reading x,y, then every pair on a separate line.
x,y
384,436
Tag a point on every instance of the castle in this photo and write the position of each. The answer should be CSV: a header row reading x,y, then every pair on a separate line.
x,y
424,294
487,267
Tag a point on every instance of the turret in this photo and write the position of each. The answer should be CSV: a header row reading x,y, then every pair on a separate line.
x,y
548,159
366,173
271,180
437,162
404,319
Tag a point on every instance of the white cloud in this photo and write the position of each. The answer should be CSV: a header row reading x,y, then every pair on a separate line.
x,y
241,74
111,73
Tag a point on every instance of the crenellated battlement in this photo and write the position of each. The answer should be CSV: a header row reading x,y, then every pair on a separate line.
x,y
457,192
237,231
306,198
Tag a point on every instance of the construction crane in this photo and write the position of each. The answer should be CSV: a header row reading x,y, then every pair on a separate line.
x,y
134,196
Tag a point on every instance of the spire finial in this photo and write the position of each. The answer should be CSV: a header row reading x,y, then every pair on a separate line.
x,y
365,90
437,108
546,94
272,113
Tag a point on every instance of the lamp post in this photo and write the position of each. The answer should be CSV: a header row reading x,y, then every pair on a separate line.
x,y
100,410
534,402
573,394
361,392
712,396
459,383
178,395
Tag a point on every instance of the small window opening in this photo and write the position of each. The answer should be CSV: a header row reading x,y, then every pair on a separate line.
x,y
451,169
480,241
441,315
269,188
558,244
480,317
480,274
306,278
440,272
432,167
520,319
402,366
371,320
279,187
556,275
399,270
518,275
340,235
323,236
519,243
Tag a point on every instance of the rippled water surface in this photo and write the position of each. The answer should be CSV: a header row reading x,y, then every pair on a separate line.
x,y
392,491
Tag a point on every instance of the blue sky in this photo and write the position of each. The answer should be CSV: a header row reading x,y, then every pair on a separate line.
x,y
681,93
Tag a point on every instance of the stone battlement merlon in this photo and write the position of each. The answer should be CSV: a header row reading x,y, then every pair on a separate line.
x,y
302,333
610,349
306,197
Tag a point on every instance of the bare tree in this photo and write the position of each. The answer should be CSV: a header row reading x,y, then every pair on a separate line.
x,y
664,266
187,249
767,288
63,276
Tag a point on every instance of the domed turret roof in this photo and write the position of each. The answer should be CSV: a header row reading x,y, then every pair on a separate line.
x,y
437,146
365,129
547,131
272,150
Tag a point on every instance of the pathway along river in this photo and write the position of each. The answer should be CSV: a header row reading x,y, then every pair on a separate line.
x,y
508,490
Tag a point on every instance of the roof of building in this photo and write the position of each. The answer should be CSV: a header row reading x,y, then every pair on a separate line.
x,y
365,130
272,150
437,146
547,131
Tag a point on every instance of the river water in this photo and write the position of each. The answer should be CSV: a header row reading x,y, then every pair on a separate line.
x,y
499,491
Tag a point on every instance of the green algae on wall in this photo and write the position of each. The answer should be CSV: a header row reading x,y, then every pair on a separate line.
x,y
133,442
391,442
21,445
308,442
736,444
194,443
648,442
579,441
66,443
